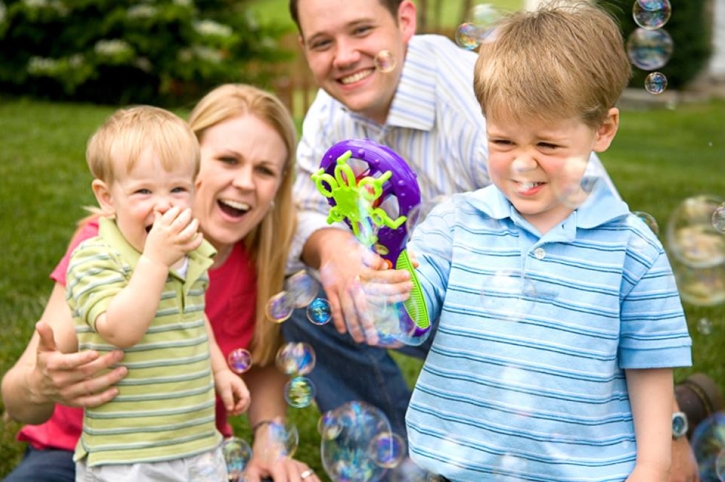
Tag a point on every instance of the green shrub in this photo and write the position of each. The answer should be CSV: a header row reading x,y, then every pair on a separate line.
x,y
122,51
690,29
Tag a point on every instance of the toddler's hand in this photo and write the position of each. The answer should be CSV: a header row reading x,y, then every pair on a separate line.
x,y
173,234
232,390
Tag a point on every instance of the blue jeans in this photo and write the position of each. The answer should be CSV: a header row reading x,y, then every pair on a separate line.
x,y
347,371
44,466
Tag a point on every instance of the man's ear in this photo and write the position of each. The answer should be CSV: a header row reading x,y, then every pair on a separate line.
x,y
103,195
407,19
607,130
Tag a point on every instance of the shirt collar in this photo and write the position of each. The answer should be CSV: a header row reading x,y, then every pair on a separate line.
x,y
599,208
107,228
410,87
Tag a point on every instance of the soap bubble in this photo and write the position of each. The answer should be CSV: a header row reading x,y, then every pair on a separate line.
x,y
347,457
691,236
319,312
282,440
718,218
302,287
506,295
651,18
655,83
299,392
384,61
239,360
468,36
280,307
708,444
649,49
237,454
649,220
387,449
295,358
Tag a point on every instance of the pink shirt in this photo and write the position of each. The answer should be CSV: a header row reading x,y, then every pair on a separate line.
x,y
230,306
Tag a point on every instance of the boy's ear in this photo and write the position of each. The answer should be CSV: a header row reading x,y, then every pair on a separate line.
x,y
607,130
103,195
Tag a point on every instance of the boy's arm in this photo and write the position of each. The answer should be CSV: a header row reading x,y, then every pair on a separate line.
x,y
230,387
651,398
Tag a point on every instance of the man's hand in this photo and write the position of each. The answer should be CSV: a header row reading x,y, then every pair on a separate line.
x,y
684,466
75,379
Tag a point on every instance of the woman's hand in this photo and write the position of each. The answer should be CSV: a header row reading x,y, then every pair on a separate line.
x,y
284,469
684,467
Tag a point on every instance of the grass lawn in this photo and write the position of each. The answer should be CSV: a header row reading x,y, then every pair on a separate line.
x,y
659,158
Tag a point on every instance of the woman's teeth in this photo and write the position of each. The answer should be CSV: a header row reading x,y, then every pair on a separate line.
x,y
235,205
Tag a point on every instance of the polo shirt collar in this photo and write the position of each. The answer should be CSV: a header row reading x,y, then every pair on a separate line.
x,y
601,207
108,230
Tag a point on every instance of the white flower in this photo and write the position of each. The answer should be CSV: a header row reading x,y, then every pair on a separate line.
x,y
141,11
42,66
184,3
36,3
109,48
207,54
3,12
212,29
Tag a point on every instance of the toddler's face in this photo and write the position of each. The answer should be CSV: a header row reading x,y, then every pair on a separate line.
x,y
148,188
537,164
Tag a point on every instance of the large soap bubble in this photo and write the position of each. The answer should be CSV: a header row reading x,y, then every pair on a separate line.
x,y
349,432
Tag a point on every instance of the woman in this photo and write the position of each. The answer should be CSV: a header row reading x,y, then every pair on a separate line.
x,y
245,210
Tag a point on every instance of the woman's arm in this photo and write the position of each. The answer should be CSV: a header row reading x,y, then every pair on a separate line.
x,y
266,387
651,397
49,371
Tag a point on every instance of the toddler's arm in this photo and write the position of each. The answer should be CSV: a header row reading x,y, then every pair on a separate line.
x,y
230,386
130,313
651,397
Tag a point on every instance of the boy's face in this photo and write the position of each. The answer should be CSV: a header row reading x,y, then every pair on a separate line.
x,y
134,197
341,41
535,164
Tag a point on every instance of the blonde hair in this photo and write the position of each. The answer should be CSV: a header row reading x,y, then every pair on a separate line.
x,y
268,244
564,60
122,138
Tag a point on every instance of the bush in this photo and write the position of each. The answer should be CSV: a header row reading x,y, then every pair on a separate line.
x,y
122,51
690,29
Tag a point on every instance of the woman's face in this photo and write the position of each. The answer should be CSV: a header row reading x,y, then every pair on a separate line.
x,y
242,162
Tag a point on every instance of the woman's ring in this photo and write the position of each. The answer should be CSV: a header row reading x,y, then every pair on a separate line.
x,y
306,473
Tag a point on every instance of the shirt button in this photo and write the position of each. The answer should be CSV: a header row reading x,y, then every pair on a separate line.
x,y
539,253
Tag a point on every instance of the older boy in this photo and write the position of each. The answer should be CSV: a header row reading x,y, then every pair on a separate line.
x,y
559,320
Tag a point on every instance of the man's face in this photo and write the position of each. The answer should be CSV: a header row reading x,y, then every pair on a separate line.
x,y
342,39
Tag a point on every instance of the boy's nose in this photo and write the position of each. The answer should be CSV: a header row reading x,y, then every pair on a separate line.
x,y
523,163
163,205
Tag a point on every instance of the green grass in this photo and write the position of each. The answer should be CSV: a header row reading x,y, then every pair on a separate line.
x,y
659,158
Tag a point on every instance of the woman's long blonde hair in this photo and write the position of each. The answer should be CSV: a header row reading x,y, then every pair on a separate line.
x,y
267,244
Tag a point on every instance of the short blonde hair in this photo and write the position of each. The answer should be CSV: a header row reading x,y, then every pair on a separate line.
x,y
563,60
269,243
123,137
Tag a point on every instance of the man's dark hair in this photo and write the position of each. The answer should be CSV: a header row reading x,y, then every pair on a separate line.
x,y
390,5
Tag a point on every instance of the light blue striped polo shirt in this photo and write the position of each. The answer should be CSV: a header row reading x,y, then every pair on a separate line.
x,y
525,377
435,124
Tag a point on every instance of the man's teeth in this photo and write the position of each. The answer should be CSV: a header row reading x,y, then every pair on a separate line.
x,y
235,204
356,77
530,185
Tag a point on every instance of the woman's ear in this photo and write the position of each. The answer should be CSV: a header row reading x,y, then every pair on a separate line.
x,y
103,195
607,130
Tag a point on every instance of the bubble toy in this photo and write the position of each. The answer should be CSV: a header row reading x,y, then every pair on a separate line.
x,y
239,360
346,456
358,198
